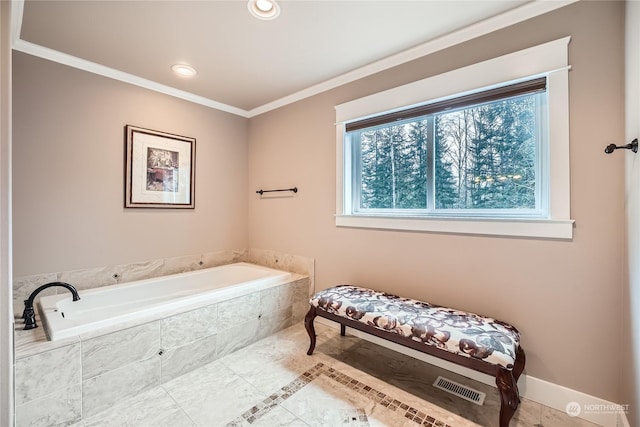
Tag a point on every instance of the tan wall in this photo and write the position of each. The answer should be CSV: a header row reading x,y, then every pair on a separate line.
x,y
564,296
68,149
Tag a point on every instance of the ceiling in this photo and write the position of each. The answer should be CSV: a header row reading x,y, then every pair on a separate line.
x,y
244,64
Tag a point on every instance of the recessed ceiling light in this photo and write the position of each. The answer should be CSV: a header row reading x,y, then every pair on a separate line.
x,y
184,70
264,9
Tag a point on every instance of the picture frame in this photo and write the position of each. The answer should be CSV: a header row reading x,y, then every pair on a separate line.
x,y
159,169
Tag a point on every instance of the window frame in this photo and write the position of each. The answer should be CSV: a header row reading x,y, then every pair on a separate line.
x,y
548,60
428,113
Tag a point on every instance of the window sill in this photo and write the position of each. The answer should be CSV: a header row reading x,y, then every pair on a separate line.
x,y
539,228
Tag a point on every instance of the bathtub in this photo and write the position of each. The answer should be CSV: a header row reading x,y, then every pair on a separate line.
x,y
148,299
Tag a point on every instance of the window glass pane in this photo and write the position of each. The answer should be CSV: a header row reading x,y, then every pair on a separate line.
x,y
479,157
486,156
394,166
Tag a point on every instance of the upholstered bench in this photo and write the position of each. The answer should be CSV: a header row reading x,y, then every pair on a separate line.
x,y
476,342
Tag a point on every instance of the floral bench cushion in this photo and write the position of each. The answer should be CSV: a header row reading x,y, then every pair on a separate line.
x,y
456,331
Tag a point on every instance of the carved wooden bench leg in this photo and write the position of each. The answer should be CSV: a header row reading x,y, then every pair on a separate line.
x,y
518,365
308,324
508,396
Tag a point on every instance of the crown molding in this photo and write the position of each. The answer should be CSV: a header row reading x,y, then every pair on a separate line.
x,y
522,13
91,67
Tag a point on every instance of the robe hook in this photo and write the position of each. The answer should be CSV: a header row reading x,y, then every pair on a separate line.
x,y
633,146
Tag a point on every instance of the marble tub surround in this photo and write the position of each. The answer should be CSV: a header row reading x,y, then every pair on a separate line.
x,y
109,352
112,275
124,363
29,342
33,341
298,264
47,372
347,382
48,388
282,261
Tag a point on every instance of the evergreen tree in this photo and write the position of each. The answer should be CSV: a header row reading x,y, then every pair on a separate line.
x,y
418,137
484,158
445,183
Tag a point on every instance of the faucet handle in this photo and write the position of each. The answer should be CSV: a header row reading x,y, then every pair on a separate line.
x,y
29,318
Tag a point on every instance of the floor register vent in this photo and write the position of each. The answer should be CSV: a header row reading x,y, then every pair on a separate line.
x,y
460,390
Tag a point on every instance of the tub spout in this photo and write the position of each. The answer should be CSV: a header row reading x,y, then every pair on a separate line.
x,y
29,315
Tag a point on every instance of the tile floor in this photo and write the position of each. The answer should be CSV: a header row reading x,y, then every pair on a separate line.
x,y
347,382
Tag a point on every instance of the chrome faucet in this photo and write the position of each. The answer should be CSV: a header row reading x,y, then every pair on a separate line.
x,y
29,315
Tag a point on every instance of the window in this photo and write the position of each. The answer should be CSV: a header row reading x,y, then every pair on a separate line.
x,y
476,155
470,159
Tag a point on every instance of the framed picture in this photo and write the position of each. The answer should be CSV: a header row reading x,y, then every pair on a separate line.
x,y
159,169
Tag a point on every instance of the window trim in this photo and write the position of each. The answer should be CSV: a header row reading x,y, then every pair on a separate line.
x,y
548,60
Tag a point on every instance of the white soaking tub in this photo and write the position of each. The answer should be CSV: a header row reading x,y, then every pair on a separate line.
x,y
123,303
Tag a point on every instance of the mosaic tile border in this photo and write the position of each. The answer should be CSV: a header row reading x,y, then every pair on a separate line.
x,y
358,415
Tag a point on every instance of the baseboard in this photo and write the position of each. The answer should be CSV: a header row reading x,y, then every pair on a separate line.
x,y
622,420
587,407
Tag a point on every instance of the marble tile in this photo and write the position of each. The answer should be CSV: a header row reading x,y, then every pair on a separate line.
x,y
237,337
101,392
386,397
287,343
276,298
281,353
281,261
182,264
284,294
35,341
42,374
302,290
180,360
112,351
321,402
214,259
333,345
61,408
415,377
189,326
528,414
213,395
549,417
23,286
150,408
278,417
299,309
139,270
279,373
89,278
239,310
273,322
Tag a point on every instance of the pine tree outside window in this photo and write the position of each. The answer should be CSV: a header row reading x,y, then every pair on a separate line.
x,y
475,155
